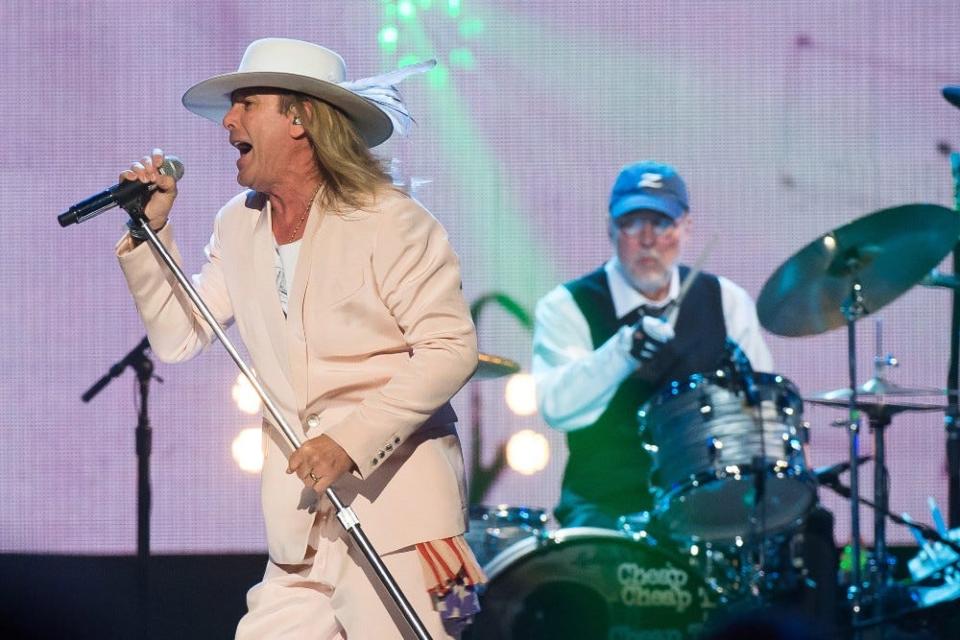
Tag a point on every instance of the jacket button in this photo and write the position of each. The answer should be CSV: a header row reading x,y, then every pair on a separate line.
x,y
396,440
313,421
374,461
389,447
382,454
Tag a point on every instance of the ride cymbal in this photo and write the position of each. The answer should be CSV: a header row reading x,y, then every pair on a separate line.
x,y
886,252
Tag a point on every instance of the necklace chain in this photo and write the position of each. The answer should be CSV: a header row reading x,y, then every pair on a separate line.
x,y
306,212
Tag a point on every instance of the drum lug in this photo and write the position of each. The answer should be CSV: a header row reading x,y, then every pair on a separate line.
x,y
788,444
714,449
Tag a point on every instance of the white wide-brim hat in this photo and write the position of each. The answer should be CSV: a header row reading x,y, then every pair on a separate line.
x,y
295,65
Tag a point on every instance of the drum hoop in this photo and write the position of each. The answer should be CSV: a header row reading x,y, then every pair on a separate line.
x,y
505,508
536,514
702,478
663,501
678,388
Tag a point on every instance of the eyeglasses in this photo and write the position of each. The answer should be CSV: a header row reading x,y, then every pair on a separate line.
x,y
633,225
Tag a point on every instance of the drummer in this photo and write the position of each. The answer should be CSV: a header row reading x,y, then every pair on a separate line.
x,y
602,348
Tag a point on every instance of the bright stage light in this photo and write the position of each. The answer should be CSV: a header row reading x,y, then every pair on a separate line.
x,y
405,9
528,452
245,396
247,449
388,36
521,394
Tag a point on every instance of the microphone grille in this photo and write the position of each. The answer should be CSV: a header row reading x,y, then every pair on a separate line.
x,y
172,166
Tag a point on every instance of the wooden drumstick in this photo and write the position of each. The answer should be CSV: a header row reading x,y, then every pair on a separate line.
x,y
694,272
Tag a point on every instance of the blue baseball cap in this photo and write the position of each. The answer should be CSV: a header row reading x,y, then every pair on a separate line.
x,y
649,185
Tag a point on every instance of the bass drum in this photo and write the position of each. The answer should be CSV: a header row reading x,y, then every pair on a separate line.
x,y
586,583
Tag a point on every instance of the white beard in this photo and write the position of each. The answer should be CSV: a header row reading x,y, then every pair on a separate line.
x,y
647,286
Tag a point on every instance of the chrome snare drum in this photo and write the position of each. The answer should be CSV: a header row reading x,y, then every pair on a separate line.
x,y
708,452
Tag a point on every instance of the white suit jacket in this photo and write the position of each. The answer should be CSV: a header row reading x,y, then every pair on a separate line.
x,y
377,338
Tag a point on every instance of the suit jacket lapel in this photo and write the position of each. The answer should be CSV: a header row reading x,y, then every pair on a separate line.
x,y
264,289
295,300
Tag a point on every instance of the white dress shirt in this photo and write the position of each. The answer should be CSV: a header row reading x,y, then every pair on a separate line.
x,y
576,382
284,266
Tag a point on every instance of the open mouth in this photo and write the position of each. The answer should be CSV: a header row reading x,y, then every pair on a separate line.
x,y
243,147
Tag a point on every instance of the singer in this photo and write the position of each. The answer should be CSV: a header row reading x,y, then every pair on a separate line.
x,y
347,295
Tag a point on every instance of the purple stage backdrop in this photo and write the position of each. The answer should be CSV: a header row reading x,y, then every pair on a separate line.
x,y
787,118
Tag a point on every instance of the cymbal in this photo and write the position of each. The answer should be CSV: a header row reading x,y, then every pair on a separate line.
x,y
873,394
874,407
886,252
491,367
882,387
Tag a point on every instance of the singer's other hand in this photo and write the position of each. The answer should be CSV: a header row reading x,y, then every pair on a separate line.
x,y
161,200
319,462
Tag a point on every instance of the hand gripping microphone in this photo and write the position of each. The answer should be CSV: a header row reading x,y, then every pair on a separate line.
x,y
119,195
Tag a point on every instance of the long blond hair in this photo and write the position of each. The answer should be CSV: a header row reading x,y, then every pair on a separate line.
x,y
352,175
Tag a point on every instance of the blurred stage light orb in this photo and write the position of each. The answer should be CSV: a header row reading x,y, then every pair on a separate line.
x,y
528,452
405,9
247,449
521,395
245,396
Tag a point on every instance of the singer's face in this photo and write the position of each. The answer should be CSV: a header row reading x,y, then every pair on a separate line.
x,y
262,136
648,246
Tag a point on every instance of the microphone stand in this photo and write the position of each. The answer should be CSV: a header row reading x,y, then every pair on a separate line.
x,y
952,417
927,532
138,360
346,515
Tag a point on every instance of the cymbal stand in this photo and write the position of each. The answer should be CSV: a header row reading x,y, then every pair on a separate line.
x,y
853,309
879,420
347,517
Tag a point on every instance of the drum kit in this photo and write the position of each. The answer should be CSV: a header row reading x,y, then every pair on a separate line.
x,y
730,478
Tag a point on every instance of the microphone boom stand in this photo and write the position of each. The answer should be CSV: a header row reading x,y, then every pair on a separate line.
x,y
138,360
345,514
952,418
926,531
